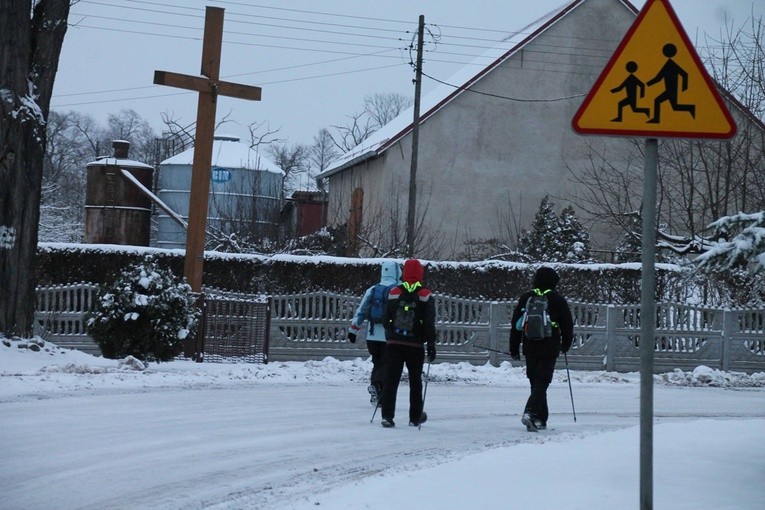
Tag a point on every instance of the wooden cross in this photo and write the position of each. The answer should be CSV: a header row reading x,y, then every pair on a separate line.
x,y
209,87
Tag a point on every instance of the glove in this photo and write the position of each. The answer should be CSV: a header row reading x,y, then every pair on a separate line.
x,y
431,352
516,356
353,330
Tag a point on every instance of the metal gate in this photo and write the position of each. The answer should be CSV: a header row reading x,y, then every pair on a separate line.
x,y
234,328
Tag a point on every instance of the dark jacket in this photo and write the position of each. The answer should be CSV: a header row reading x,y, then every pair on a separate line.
x,y
562,336
425,328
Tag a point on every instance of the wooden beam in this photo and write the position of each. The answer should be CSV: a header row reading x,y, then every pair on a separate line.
x,y
205,85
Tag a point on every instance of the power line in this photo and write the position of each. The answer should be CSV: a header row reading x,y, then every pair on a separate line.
x,y
230,76
348,55
229,32
339,73
238,43
241,43
493,41
302,11
242,14
464,88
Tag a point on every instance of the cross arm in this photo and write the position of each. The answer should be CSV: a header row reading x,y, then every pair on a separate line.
x,y
203,84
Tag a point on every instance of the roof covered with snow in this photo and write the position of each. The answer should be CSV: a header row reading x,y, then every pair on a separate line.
x,y
120,162
229,152
462,80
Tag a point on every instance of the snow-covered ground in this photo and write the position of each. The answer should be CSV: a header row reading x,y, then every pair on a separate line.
x,y
78,431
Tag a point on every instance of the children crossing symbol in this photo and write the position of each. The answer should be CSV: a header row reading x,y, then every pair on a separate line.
x,y
633,86
655,85
669,74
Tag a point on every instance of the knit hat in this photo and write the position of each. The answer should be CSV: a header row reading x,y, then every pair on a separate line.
x,y
413,271
546,278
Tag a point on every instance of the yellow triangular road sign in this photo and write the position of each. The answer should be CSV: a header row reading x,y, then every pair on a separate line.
x,y
655,85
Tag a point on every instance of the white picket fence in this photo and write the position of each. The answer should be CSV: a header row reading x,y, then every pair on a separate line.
x,y
314,325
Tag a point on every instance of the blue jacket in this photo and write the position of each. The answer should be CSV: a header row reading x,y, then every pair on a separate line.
x,y
390,274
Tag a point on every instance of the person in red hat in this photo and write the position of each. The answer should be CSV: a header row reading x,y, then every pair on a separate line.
x,y
410,325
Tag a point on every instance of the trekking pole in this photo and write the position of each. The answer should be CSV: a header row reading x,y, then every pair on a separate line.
x,y
424,392
377,404
490,349
568,375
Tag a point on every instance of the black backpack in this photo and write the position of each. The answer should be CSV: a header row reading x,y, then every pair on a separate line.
x,y
405,319
536,323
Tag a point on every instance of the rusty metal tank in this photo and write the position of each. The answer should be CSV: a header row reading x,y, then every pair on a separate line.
x,y
116,210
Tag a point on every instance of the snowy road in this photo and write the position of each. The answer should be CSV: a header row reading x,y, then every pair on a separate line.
x,y
256,446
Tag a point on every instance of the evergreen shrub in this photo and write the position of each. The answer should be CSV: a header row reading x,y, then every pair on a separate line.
x,y
146,312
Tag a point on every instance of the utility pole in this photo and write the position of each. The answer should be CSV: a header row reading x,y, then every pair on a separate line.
x,y
415,142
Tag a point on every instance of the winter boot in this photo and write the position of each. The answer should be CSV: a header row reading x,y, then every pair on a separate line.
x,y
374,394
528,420
387,423
539,424
423,419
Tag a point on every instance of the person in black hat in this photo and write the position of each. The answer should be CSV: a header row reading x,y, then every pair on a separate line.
x,y
541,350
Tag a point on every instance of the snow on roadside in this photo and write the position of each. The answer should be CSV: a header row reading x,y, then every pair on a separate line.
x,y
39,369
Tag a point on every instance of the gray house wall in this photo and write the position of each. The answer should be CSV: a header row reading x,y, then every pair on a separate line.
x,y
481,157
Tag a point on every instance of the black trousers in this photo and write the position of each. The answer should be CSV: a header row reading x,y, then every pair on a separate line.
x,y
377,349
398,356
539,370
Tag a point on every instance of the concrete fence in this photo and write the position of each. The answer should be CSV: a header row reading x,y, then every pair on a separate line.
x,y
314,326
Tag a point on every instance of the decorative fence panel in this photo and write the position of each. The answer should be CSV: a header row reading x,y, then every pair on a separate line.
x,y
606,337
313,325
60,315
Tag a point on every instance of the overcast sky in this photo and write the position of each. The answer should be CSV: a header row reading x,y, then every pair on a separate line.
x,y
315,61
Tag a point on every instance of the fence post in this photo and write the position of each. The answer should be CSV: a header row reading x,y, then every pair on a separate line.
x,y
610,338
725,340
494,333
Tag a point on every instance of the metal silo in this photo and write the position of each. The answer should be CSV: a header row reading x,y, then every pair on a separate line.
x,y
245,192
116,211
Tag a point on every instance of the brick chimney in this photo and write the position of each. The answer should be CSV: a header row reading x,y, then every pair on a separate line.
x,y
121,148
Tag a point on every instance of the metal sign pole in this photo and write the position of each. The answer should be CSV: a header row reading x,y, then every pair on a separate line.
x,y
648,322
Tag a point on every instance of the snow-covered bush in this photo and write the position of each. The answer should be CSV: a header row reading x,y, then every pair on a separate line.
x,y
145,313
747,247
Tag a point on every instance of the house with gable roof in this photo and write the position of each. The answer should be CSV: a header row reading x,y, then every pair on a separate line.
x,y
494,139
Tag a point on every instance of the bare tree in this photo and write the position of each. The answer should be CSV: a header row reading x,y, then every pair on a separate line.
x,y
358,129
610,190
31,36
247,218
383,229
323,151
128,125
64,177
379,109
384,107
294,162
176,137
262,134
